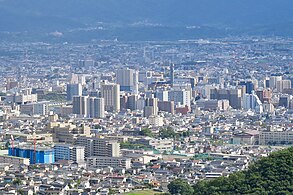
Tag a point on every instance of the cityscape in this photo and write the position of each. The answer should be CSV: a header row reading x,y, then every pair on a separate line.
x,y
132,117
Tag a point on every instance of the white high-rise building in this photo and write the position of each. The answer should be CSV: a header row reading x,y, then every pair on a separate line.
x,y
73,90
252,102
128,80
111,94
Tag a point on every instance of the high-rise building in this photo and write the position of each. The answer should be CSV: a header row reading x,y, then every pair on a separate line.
x,y
166,106
234,95
151,107
284,101
111,94
73,90
96,107
128,80
132,102
162,95
252,102
283,84
273,81
264,95
180,97
80,105
249,86
172,74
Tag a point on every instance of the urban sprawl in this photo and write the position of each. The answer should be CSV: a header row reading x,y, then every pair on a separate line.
x,y
112,117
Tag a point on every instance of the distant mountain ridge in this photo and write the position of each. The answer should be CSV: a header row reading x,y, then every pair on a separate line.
x,y
230,16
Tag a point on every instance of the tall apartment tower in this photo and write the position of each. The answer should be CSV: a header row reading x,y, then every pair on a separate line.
x,y
151,107
73,90
80,105
172,74
111,94
96,107
128,80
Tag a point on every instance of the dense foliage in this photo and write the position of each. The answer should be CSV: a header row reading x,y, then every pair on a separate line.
x,y
179,186
270,175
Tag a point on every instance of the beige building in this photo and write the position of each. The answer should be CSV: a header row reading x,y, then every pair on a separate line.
x,y
275,137
14,160
99,147
111,94
102,162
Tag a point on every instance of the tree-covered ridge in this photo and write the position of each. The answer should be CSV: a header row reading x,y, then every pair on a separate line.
x,y
270,175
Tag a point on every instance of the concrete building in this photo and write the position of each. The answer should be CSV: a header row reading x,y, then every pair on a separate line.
x,y
69,152
127,79
275,137
73,90
36,108
111,94
151,107
96,107
282,85
166,106
38,155
102,162
156,121
13,160
180,97
99,147
80,105
234,95
252,102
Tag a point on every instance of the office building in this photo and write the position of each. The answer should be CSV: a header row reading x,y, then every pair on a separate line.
x,y
166,106
73,90
132,102
249,86
234,95
128,80
180,97
80,105
172,74
252,102
162,95
111,94
96,107
282,85
151,107
273,81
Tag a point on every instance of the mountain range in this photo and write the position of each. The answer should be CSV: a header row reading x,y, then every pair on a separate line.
x,y
143,19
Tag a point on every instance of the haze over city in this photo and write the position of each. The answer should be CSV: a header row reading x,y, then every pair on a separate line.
x,y
146,97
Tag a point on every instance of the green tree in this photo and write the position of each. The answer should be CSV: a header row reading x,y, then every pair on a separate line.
x,y
167,133
270,175
179,186
146,132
